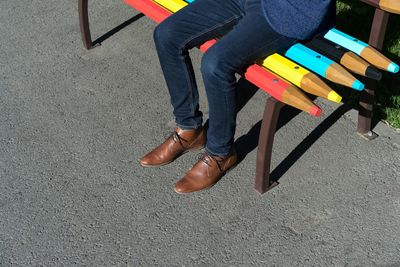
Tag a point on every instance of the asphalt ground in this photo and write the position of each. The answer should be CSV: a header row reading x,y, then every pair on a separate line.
x,y
73,124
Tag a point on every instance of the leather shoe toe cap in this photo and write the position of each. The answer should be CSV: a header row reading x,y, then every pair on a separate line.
x,y
183,186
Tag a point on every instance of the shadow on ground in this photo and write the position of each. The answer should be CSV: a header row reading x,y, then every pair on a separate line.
x,y
248,142
113,31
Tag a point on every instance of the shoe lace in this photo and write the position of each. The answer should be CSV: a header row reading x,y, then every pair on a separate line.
x,y
207,159
177,138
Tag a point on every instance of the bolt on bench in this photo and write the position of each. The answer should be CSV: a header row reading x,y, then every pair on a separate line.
x,y
280,90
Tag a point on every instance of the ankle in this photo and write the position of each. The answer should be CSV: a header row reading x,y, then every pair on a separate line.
x,y
220,156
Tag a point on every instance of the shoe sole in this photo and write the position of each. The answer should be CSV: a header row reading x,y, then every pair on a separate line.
x,y
166,163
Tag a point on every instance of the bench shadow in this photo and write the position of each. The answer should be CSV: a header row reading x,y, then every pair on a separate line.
x,y
248,142
307,142
113,31
352,97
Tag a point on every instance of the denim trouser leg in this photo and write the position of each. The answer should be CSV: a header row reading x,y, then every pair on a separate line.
x,y
247,38
191,26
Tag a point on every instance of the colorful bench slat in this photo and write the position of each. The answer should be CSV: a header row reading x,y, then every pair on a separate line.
x,y
345,57
300,77
150,9
282,90
392,6
362,49
323,66
172,5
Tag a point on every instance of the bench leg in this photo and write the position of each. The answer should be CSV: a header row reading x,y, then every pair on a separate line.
x,y
366,103
265,142
365,111
84,23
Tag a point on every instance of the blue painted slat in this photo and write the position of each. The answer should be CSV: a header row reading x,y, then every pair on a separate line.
x,y
309,59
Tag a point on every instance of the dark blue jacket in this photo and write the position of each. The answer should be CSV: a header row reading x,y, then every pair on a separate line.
x,y
300,19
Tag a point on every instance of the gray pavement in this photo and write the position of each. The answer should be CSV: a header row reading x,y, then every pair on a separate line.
x,y
74,122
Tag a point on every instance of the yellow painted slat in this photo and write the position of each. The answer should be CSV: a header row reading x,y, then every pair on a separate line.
x,y
285,68
172,5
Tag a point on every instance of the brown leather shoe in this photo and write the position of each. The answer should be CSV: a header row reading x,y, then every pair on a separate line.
x,y
179,142
205,173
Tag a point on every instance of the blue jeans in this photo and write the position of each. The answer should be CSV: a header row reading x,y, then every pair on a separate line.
x,y
246,37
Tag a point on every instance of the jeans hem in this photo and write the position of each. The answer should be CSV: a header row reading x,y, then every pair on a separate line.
x,y
211,153
188,127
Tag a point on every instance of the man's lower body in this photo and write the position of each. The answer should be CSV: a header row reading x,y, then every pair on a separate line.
x,y
245,36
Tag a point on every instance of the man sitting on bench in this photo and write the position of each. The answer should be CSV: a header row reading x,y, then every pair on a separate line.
x,y
250,30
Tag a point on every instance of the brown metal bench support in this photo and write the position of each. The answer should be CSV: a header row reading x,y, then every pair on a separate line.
x,y
273,107
84,23
265,143
366,102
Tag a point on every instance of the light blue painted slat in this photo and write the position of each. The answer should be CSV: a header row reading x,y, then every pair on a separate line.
x,y
393,67
345,40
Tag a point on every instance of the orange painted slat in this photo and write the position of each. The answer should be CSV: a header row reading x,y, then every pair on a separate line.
x,y
150,9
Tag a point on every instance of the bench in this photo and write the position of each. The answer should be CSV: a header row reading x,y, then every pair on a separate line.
x,y
263,183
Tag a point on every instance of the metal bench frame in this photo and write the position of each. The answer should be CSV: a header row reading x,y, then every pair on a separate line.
x,y
263,183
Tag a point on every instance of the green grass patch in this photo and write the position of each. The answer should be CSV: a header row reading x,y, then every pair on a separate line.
x,y
355,18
